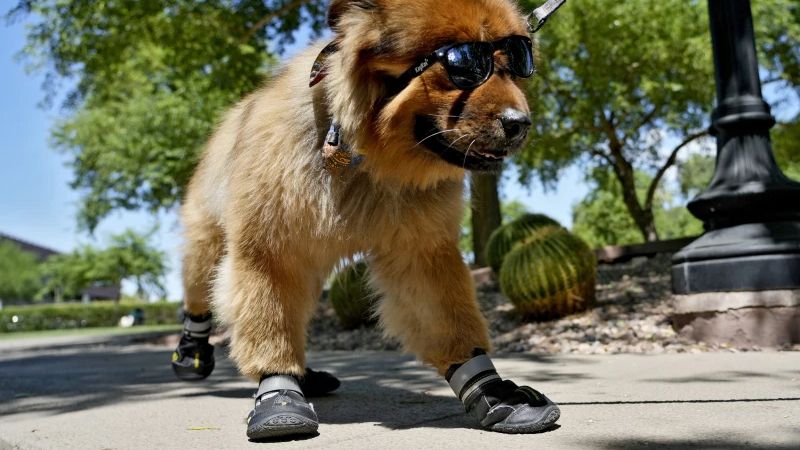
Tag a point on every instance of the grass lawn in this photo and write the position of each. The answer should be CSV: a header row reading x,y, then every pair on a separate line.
x,y
100,331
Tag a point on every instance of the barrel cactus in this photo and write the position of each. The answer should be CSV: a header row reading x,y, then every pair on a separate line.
x,y
351,297
504,238
549,274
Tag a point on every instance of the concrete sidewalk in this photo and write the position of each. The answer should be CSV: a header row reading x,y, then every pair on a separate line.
x,y
123,395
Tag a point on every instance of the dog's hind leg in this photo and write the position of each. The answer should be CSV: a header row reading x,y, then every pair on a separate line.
x,y
429,303
194,357
201,255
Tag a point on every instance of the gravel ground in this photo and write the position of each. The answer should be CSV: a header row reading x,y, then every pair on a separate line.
x,y
631,316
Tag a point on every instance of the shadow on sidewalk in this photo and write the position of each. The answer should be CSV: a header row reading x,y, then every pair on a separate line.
x,y
683,443
387,388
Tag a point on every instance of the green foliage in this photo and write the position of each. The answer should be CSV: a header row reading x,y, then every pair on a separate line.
x,y
128,256
20,275
777,26
351,297
676,222
786,144
601,218
78,315
67,274
504,238
617,78
150,77
550,274
695,173
613,73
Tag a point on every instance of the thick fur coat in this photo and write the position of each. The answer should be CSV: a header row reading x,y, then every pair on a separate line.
x,y
266,222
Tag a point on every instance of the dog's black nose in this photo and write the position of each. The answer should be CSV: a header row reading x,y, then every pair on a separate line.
x,y
515,123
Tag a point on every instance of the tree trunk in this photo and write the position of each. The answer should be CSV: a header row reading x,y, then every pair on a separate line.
x,y
642,217
485,203
627,179
140,288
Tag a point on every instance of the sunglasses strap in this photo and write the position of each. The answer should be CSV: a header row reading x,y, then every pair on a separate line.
x,y
539,16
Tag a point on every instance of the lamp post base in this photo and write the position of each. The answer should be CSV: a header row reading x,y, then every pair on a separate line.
x,y
764,318
749,257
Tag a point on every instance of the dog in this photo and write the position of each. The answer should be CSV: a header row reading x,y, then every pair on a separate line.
x,y
370,159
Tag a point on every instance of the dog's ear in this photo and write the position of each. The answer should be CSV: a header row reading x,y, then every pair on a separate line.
x,y
337,9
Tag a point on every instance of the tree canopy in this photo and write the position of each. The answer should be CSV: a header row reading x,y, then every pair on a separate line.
x,y
625,86
601,218
20,274
618,83
128,256
621,86
145,81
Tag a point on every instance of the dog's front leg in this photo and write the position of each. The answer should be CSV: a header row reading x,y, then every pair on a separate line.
x,y
429,303
267,300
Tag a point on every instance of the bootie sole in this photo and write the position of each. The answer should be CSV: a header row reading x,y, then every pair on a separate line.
x,y
190,373
550,415
281,425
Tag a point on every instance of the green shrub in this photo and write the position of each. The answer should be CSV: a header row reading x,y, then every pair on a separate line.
x,y
351,297
504,238
79,315
549,274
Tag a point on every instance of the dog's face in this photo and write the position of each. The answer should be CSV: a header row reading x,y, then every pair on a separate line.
x,y
430,120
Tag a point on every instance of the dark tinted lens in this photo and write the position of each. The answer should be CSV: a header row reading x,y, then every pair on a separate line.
x,y
520,56
469,65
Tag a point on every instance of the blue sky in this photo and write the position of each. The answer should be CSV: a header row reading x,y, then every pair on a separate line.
x,y
37,205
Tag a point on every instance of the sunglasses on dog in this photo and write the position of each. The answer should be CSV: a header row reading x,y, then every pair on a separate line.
x,y
470,64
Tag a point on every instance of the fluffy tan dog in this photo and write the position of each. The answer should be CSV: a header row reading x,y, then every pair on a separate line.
x,y
266,222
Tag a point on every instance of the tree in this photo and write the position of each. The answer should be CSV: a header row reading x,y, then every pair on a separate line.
x,y
130,256
20,275
127,257
622,86
777,27
485,209
601,218
67,274
150,79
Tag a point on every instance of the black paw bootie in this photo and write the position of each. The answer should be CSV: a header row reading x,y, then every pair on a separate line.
x,y
194,358
497,404
281,410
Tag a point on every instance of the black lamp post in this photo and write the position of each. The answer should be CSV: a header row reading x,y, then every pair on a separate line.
x,y
751,210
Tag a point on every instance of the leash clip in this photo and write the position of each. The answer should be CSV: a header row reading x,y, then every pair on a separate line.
x,y
539,16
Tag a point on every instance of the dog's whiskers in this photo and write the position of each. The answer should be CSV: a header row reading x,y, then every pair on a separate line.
x,y
458,139
466,153
434,134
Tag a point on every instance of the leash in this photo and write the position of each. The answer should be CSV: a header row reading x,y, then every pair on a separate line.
x,y
539,16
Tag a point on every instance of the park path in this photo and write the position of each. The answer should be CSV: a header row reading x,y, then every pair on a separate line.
x,y
87,394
